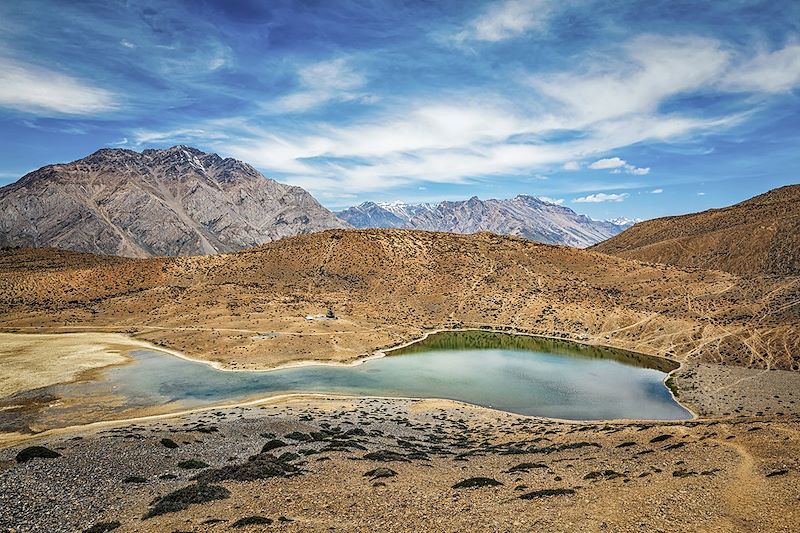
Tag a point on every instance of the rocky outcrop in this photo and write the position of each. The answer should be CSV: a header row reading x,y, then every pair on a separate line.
x,y
177,201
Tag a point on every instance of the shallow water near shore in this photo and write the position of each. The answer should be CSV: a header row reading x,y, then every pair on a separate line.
x,y
519,374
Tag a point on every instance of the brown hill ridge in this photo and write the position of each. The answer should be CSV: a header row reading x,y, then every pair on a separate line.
x,y
760,236
177,201
390,286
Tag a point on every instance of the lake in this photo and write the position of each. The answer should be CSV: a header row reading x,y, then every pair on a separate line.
x,y
520,374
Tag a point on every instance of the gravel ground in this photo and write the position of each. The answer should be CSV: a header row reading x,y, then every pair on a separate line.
x,y
728,475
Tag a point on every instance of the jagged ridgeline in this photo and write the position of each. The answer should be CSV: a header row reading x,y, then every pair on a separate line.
x,y
177,201
525,216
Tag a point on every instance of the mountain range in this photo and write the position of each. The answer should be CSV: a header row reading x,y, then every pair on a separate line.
x,y
176,201
522,216
760,236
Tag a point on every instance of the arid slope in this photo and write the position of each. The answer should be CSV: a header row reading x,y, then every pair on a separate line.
x,y
760,236
389,286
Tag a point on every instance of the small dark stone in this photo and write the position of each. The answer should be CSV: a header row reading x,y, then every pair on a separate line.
x,y
476,482
192,464
524,467
385,456
252,521
183,498
380,472
135,479
288,457
296,435
169,443
261,466
660,438
683,473
103,527
273,444
626,444
544,493
604,474
36,452
777,473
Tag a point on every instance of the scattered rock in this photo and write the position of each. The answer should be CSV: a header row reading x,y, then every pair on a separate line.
x,y
774,473
386,456
252,521
524,467
261,466
476,482
544,493
273,444
192,464
36,452
103,527
380,472
169,443
602,474
182,498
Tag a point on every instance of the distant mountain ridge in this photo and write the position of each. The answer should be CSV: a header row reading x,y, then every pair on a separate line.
x,y
756,237
522,216
176,201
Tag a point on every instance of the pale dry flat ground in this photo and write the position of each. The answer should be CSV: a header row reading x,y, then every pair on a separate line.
x,y
705,475
33,361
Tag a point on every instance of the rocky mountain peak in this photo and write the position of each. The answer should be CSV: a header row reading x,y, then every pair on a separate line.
x,y
174,201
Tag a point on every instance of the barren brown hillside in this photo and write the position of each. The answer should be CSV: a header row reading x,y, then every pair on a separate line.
x,y
389,286
756,237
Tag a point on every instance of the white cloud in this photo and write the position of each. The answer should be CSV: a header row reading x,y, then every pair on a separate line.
x,y
771,72
650,70
127,44
601,197
619,166
321,83
701,194
614,101
505,20
555,201
656,191
47,92
613,162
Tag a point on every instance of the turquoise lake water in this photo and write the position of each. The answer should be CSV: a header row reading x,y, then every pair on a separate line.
x,y
525,375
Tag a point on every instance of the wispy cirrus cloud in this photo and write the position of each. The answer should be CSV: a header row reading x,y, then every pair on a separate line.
x,y
318,84
506,19
33,89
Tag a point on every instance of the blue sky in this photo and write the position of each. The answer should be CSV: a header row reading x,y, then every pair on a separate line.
x,y
636,109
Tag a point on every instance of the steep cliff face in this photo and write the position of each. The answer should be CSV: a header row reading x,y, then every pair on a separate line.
x,y
522,216
178,201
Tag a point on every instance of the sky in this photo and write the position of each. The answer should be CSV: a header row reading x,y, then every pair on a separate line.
x,y
631,109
